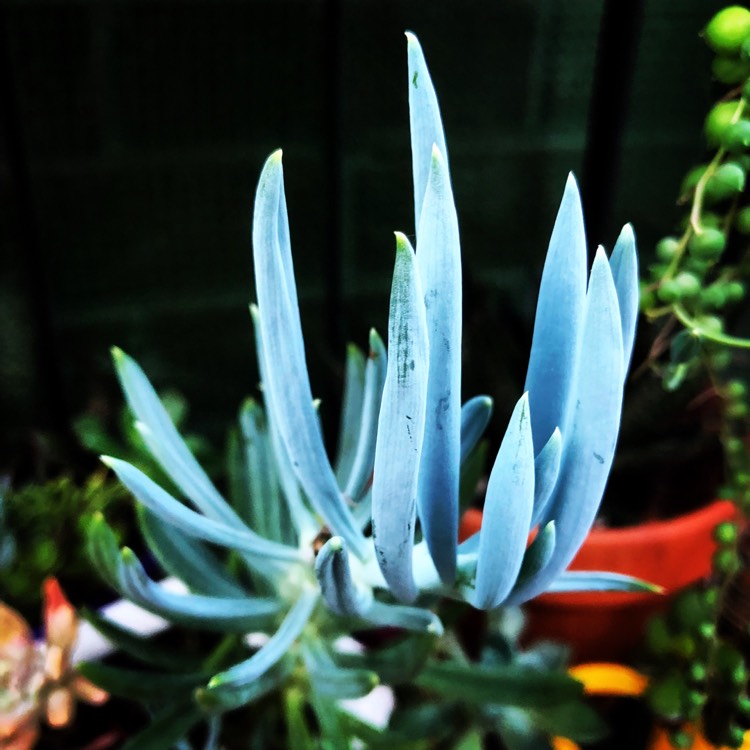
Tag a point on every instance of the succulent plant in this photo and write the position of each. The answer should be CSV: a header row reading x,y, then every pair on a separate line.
x,y
321,550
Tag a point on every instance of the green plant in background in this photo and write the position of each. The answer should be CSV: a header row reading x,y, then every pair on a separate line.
x,y
320,552
43,532
124,440
700,274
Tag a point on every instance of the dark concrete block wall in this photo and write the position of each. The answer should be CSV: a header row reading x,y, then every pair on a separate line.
x,y
134,133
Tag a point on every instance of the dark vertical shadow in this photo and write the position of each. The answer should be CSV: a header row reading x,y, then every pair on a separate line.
x,y
617,47
333,125
51,407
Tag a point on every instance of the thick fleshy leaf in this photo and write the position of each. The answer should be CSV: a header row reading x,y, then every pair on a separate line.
x,y
351,412
507,512
340,593
401,427
227,697
439,268
425,124
409,618
624,265
246,672
286,384
302,517
364,458
186,558
165,442
475,416
546,470
236,615
558,323
593,425
587,580
537,555
266,556
266,512
166,727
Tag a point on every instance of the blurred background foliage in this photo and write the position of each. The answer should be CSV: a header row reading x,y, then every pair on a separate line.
x,y
133,133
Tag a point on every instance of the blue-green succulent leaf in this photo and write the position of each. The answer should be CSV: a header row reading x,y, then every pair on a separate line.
x,y
302,516
425,124
246,672
208,612
165,442
475,416
186,558
624,265
286,384
364,460
226,697
266,512
266,555
401,426
538,553
439,268
546,470
558,323
586,580
507,512
409,618
340,593
351,412
593,425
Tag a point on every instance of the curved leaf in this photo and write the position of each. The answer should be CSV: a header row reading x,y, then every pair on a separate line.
x,y
287,386
624,265
165,442
364,459
351,412
186,559
587,580
558,323
246,672
507,512
475,416
401,427
425,124
546,470
237,615
439,268
340,592
266,555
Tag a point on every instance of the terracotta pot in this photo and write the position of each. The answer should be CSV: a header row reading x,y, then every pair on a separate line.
x,y
604,626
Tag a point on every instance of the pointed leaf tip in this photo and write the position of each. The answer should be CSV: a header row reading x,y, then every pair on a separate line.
x,y
411,38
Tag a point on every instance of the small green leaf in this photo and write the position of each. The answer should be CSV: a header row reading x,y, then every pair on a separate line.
x,y
140,684
511,685
167,727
